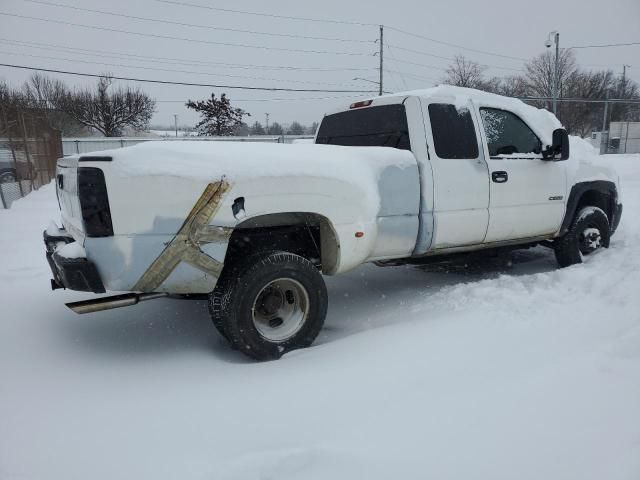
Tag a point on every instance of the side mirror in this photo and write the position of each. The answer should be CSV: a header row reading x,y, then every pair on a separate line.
x,y
560,148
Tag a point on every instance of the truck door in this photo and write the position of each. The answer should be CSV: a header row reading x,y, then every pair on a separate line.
x,y
460,176
527,192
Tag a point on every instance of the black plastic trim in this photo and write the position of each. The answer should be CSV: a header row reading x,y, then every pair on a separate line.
x,y
602,186
72,273
90,158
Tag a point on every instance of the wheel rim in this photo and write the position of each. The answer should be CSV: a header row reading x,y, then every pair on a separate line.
x,y
280,309
590,239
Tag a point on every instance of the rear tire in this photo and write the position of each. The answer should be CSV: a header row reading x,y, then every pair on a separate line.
x,y
270,304
589,231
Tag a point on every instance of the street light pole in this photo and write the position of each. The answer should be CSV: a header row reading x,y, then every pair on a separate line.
x,y
555,80
380,88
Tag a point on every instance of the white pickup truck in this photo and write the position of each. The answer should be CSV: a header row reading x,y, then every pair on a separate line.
x,y
404,178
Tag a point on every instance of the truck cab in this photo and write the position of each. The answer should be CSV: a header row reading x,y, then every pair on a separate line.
x,y
486,177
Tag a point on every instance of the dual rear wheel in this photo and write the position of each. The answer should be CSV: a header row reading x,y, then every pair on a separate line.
x,y
269,304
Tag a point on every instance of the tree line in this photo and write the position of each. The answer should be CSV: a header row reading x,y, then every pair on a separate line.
x,y
112,109
580,118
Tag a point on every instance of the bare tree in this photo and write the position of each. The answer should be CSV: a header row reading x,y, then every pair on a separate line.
x,y
311,130
108,110
275,129
11,97
257,129
295,129
465,73
540,70
513,86
43,93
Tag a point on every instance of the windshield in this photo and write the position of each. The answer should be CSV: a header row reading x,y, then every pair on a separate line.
x,y
383,126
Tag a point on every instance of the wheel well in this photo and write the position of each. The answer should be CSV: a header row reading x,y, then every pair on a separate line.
x,y
595,198
306,234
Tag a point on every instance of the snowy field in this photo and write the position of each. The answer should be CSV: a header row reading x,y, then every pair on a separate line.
x,y
494,372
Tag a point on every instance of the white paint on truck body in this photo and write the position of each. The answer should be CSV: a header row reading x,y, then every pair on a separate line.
x,y
402,203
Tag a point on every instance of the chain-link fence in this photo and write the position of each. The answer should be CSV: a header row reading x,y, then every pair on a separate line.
x,y
622,137
29,148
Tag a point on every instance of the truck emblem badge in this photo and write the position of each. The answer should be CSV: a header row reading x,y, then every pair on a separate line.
x,y
557,197
185,246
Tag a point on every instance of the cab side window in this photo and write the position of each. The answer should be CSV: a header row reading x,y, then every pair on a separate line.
x,y
507,134
454,135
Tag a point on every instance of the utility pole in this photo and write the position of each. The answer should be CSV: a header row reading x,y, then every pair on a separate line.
x,y
381,55
266,128
175,122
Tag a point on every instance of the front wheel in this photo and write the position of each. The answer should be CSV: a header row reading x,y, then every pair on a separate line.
x,y
589,231
270,304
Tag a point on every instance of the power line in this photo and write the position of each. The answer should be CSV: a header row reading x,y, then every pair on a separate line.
x,y
418,52
168,70
423,65
270,15
171,61
344,22
606,45
462,47
188,84
184,39
404,82
411,75
192,25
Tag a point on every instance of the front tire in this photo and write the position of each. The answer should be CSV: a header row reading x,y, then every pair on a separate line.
x,y
270,304
589,232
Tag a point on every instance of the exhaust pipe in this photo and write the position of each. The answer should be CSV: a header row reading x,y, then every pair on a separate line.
x,y
115,301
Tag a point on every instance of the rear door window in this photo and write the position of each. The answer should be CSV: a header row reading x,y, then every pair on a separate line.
x,y
382,126
454,135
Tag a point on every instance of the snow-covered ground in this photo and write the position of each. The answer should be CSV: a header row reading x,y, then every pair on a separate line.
x,y
493,372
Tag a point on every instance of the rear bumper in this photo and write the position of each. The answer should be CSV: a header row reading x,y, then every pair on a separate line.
x,y
72,273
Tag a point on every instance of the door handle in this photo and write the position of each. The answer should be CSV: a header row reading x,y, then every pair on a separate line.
x,y
499,176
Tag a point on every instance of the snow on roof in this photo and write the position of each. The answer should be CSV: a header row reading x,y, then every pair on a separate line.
x,y
541,121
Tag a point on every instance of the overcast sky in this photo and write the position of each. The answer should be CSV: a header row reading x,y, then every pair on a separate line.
x,y
507,27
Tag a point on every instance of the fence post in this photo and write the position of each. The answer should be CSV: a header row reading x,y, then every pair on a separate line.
x,y
77,142
26,149
626,137
13,151
604,147
4,203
